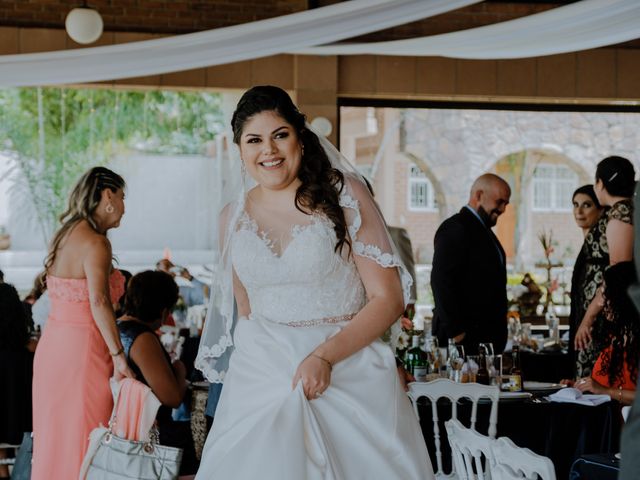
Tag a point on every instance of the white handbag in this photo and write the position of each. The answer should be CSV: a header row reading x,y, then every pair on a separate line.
x,y
112,457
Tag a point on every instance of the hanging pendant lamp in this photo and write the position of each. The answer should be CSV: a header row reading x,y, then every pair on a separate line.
x,y
84,24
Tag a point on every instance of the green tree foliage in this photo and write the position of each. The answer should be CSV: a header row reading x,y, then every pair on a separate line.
x,y
55,134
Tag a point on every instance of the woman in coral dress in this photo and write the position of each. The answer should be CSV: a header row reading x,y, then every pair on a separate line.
x,y
80,347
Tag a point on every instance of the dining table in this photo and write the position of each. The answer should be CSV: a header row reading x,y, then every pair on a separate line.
x,y
596,467
546,365
562,432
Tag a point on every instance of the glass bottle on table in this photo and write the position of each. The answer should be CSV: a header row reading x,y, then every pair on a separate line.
x,y
515,376
416,360
482,377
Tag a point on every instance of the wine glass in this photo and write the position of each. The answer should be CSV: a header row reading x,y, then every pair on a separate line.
x,y
488,350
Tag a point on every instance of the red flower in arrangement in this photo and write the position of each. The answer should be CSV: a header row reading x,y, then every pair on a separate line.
x,y
546,240
407,324
554,285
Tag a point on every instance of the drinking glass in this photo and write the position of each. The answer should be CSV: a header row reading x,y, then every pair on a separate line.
x,y
495,372
553,323
473,364
455,362
515,329
433,355
488,350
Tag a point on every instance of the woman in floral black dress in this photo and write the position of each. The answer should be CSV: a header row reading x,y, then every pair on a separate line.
x,y
613,235
588,268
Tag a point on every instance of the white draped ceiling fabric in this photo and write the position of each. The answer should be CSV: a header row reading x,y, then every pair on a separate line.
x,y
578,26
220,46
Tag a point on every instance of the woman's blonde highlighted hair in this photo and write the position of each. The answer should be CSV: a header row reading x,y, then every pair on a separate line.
x,y
83,201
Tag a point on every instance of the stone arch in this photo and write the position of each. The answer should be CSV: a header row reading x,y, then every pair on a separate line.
x,y
435,183
515,227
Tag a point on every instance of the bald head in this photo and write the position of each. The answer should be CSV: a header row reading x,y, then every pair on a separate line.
x,y
489,197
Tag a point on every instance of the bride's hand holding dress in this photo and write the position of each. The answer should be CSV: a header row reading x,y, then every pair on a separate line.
x,y
315,375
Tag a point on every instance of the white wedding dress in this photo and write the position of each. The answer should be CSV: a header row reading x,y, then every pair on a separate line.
x,y
363,427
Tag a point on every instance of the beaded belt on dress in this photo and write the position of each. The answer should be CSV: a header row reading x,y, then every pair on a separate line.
x,y
322,321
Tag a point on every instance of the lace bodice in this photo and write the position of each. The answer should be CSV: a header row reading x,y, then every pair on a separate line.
x,y
291,273
309,281
76,290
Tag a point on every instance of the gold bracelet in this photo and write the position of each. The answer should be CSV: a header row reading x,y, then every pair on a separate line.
x,y
121,350
323,359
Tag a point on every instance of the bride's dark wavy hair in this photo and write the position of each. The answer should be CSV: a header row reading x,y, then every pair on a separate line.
x,y
321,183
625,336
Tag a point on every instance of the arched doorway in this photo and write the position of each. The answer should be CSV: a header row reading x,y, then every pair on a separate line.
x,y
523,220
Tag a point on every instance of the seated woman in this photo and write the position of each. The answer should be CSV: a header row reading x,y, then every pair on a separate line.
x,y
615,372
150,297
16,367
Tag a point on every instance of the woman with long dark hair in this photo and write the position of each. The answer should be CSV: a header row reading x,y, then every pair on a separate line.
x,y
309,391
587,271
80,348
615,183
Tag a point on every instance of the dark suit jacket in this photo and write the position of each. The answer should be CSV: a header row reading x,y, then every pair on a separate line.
x,y
469,281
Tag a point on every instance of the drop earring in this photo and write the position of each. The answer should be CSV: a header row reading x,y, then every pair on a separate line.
x,y
109,208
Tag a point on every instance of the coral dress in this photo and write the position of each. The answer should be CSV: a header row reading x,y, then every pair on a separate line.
x,y
71,393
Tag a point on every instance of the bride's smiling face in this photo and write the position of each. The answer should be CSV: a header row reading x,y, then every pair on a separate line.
x,y
271,151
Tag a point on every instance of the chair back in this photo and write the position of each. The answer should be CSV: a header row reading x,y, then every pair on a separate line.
x,y
511,462
470,452
445,388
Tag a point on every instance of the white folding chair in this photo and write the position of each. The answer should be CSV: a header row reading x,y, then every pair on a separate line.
x,y
444,388
510,462
470,452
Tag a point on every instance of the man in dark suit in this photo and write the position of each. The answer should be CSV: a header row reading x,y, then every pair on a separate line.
x,y
469,276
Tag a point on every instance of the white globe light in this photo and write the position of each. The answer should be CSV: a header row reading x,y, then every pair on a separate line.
x,y
84,25
322,125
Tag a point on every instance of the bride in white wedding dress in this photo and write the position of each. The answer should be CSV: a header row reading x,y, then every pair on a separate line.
x,y
310,392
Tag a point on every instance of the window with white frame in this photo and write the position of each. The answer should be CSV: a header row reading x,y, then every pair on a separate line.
x,y
421,195
553,186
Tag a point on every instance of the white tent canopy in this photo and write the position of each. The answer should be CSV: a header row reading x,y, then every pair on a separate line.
x,y
578,26
220,46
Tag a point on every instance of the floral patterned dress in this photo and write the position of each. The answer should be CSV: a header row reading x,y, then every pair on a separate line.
x,y
595,252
